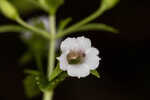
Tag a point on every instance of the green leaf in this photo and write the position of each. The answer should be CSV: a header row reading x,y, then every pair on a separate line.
x,y
40,79
95,73
54,5
11,28
64,23
30,86
37,45
108,4
97,26
24,6
104,5
57,71
55,82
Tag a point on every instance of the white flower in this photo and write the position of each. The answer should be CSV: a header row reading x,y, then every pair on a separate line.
x,y
78,57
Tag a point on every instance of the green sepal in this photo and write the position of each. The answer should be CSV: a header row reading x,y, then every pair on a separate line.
x,y
54,5
57,71
97,27
56,81
95,73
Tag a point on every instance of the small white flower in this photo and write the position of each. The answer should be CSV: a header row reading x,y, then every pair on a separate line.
x,y
78,57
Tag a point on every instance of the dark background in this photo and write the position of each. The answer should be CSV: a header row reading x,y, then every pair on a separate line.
x,y
125,61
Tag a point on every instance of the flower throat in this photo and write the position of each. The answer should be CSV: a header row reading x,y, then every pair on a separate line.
x,y
75,57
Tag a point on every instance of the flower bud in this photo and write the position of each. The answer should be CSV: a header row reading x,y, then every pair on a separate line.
x,y
8,9
108,4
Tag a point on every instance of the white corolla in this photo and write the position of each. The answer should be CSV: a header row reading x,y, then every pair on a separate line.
x,y
78,57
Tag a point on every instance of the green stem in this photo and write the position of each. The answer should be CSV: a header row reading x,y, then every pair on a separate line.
x,y
34,29
48,95
51,57
51,60
91,17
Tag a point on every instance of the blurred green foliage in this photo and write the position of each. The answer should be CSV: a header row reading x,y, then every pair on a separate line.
x,y
24,6
37,45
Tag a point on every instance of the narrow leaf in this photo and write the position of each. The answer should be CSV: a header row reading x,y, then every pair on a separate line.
x,y
11,28
104,5
95,73
97,26
64,23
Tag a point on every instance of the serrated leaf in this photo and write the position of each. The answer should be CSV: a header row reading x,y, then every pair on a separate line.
x,y
54,5
95,73
56,72
30,86
97,26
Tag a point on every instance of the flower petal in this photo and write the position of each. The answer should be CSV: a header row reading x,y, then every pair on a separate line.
x,y
84,43
63,61
93,51
92,61
78,70
68,44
